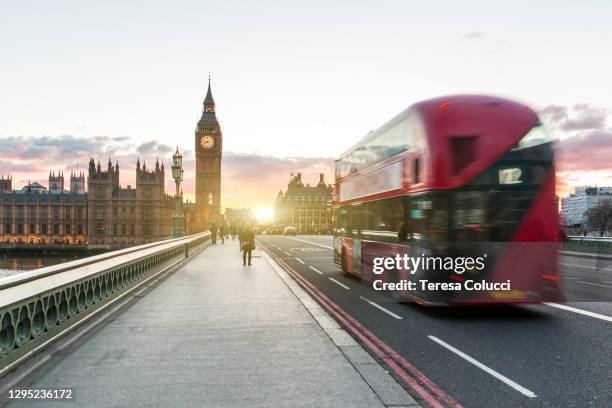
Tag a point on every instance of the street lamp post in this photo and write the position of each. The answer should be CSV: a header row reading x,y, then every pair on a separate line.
x,y
177,174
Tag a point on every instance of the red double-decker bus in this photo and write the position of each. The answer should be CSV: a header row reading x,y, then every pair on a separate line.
x,y
449,177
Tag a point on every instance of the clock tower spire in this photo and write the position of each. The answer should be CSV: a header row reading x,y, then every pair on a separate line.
x,y
208,148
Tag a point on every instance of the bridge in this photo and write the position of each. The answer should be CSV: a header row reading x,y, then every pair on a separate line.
x,y
183,323
180,323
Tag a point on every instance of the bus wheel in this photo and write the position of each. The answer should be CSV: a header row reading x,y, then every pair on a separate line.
x,y
343,263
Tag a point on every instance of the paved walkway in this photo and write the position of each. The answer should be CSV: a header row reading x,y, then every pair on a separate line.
x,y
214,334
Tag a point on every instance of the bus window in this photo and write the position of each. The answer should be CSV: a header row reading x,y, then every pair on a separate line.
x,y
342,220
469,216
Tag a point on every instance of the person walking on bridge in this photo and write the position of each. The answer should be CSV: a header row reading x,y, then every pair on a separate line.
x,y
222,232
213,234
247,241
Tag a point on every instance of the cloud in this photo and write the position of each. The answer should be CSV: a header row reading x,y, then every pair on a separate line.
x,y
474,35
155,148
121,139
580,117
62,148
586,152
555,113
8,167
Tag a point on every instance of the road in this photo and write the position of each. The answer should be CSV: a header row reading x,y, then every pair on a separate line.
x,y
495,356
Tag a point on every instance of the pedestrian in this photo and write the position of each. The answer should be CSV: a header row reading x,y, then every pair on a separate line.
x,y
247,239
402,232
222,233
213,233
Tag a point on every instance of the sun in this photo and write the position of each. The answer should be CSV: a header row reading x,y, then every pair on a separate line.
x,y
264,214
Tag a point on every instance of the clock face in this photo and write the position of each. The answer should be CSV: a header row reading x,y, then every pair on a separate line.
x,y
207,142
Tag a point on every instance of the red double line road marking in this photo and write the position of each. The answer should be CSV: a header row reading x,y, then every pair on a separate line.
x,y
376,345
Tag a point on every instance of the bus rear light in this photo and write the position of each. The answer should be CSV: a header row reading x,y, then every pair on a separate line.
x,y
552,278
444,106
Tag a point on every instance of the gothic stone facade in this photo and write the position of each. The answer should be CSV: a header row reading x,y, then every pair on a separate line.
x,y
208,148
308,209
37,215
106,216
127,216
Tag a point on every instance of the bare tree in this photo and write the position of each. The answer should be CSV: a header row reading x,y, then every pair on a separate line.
x,y
599,217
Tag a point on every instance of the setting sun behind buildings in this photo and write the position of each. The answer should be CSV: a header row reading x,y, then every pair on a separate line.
x,y
264,214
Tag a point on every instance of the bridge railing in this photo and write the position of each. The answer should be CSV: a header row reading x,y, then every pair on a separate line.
x,y
38,307
601,245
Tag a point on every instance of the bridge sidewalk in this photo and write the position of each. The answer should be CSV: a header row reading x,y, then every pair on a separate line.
x,y
217,334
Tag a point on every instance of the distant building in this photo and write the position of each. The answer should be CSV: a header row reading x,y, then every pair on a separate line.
x,y
308,209
35,187
77,183
6,184
106,216
56,183
127,216
575,205
36,215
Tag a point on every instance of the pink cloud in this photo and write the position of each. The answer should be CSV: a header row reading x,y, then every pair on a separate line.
x,y
590,151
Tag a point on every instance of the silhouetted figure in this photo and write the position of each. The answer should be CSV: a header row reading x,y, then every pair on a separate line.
x,y
402,232
247,243
213,234
222,233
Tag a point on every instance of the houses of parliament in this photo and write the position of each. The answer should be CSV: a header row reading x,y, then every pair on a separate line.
x,y
93,210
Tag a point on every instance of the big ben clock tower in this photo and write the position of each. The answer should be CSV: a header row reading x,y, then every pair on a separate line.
x,y
208,148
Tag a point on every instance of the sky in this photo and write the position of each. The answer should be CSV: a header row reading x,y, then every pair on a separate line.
x,y
295,83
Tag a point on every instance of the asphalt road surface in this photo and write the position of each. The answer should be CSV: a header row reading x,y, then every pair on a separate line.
x,y
546,355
